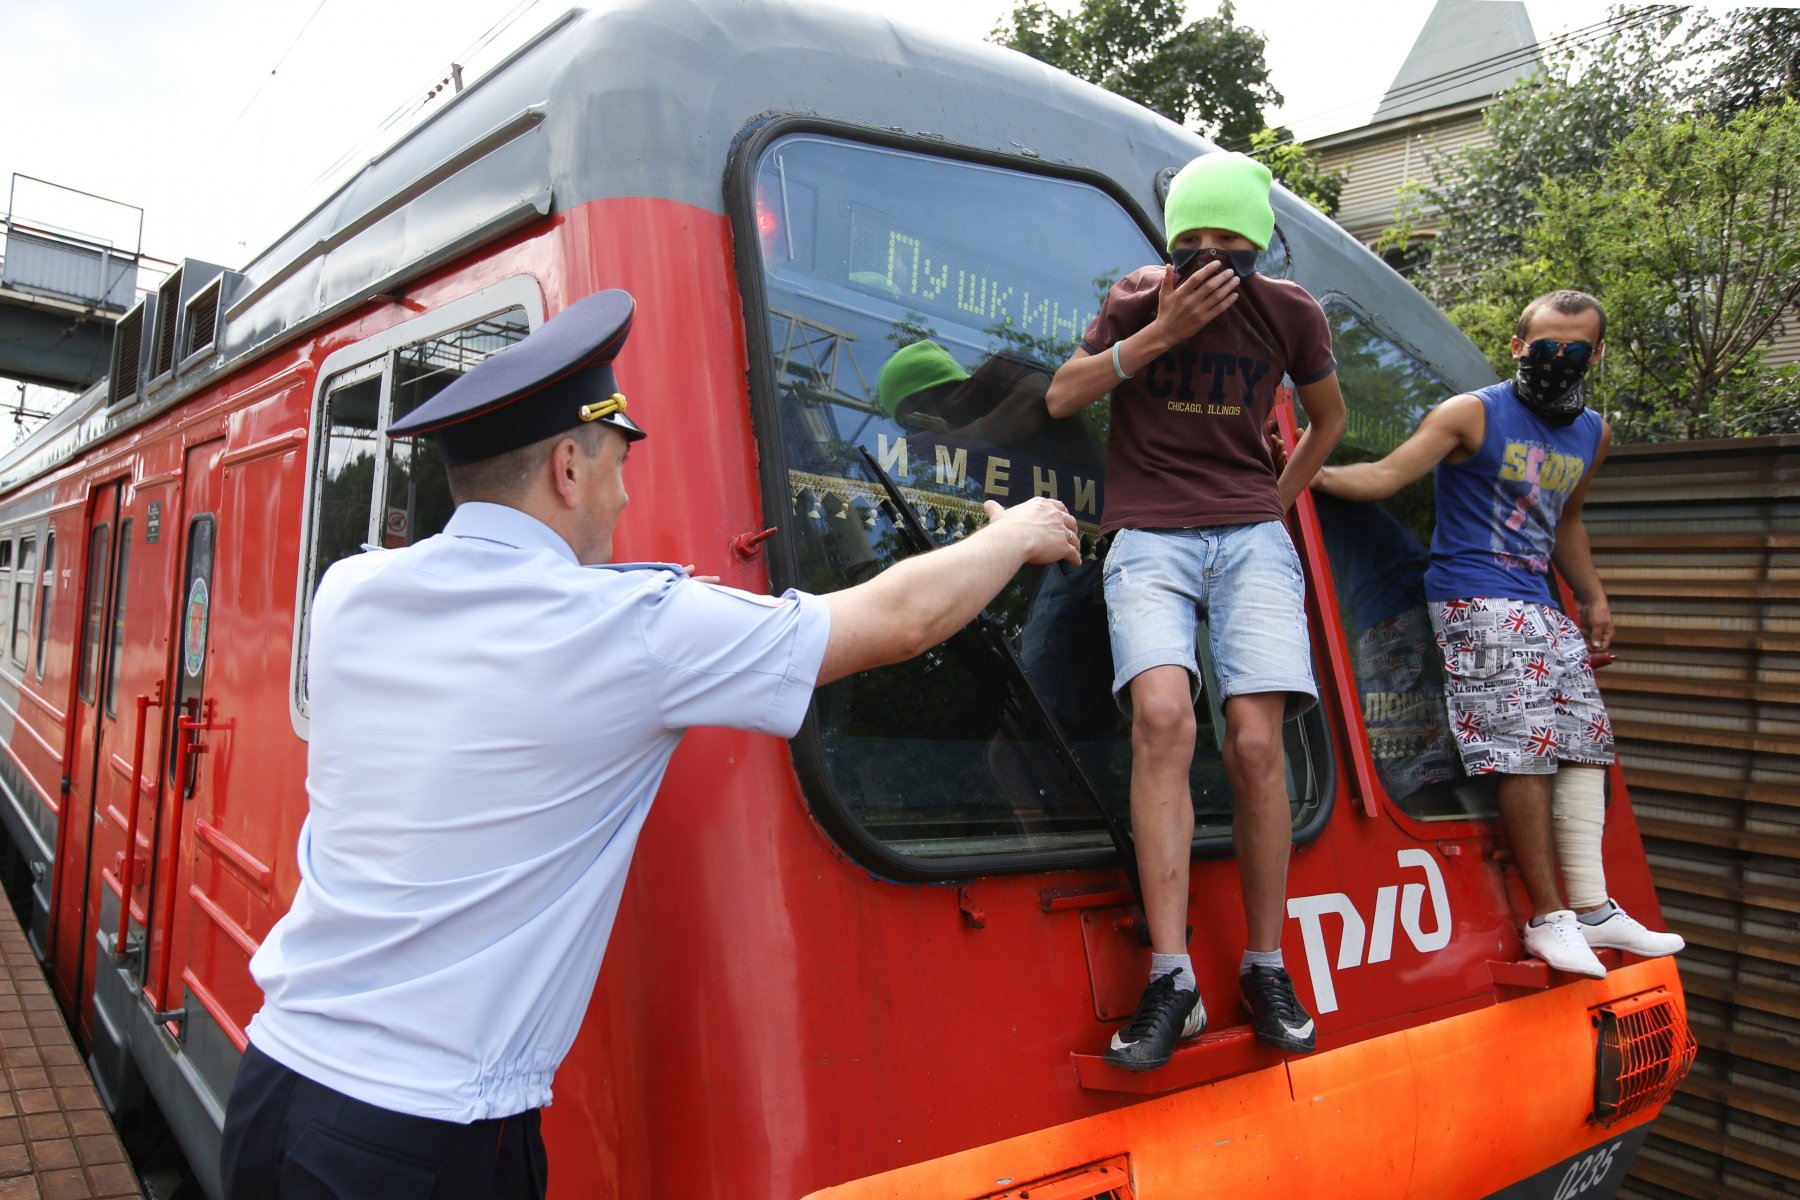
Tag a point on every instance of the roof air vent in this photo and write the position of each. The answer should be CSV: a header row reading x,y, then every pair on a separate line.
x,y
200,325
168,311
128,354
172,312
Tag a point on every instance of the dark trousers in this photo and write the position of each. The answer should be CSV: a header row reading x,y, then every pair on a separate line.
x,y
288,1138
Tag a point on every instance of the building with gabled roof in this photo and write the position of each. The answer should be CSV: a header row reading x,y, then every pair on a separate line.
x,y
1468,52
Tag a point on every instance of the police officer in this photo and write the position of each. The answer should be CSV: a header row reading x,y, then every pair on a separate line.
x,y
493,709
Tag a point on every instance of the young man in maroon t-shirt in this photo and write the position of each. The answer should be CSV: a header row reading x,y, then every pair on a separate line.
x,y
1195,507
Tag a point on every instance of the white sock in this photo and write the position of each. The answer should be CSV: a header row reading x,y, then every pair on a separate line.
x,y
1262,958
1162,964
1578,820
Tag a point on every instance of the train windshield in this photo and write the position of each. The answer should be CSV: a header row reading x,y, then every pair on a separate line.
x,y
917,307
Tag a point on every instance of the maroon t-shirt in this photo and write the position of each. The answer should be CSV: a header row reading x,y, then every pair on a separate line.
x,y
1186,447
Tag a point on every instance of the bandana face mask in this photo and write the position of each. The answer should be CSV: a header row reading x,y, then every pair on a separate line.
x,y
1187,261
1548,379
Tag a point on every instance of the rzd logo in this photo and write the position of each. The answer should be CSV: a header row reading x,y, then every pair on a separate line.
x,y
1378,932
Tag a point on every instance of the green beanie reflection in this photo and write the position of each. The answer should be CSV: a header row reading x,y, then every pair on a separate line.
x,y
911,370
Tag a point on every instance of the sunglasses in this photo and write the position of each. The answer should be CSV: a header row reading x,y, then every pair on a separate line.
x,y
1545,349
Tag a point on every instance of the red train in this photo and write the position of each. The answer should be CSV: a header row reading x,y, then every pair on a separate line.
x,y
894,947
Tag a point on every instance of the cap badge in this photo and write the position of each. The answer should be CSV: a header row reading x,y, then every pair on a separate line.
x,y
614,403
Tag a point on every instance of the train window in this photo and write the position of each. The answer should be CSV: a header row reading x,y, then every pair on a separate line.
x,y
121,577
1378,557
45,582
99,542
6,576
346,467
368,490
196,621
374,492
24,584
866,251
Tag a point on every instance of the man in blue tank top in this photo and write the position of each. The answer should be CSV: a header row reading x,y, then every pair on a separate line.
x,y
1513,463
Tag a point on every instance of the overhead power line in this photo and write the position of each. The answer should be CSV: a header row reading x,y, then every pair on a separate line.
x,y
412,106
277,67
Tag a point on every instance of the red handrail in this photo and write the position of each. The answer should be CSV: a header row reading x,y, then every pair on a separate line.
x,y
144,705
184,726
1329,630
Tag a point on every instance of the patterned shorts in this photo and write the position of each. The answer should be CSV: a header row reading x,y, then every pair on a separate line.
x,y
1520,690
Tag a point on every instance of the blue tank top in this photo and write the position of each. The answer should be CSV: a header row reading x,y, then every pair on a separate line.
x,y
1497,510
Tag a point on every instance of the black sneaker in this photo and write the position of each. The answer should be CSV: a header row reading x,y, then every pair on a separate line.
x,y
1164,1015
1275,1010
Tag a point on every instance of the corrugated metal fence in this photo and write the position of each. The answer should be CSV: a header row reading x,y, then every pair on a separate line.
x,y
1699,546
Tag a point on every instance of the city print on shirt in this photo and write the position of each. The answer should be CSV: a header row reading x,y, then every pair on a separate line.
x,y
1229,381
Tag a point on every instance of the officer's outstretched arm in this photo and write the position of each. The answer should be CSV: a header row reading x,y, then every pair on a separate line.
x,y
917,603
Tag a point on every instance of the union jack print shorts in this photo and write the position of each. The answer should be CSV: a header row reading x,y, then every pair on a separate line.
x,y
1520,690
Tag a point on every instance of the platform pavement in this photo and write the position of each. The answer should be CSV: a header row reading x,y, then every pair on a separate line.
x,y
56,1141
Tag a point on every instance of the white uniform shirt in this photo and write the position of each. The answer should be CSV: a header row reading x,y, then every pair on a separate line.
x,y
490,722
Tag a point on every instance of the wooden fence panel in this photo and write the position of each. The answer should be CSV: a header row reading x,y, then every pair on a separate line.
x,y
1698,544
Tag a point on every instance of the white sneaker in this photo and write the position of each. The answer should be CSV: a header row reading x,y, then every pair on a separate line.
x,y
1622,932
1559,942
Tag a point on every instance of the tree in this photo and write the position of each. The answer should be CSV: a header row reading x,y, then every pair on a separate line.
x,y
1297,168
1558,125
1691,235
1655,170
1760,53
1209,72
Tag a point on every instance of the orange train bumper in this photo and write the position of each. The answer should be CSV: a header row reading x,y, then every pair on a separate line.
x,y
1459,1107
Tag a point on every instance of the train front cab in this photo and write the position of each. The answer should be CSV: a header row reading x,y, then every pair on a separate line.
x,y
882,961
1448,1066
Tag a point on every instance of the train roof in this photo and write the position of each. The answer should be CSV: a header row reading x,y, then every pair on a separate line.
x,y
650,98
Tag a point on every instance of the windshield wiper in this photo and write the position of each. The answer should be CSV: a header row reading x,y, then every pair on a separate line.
x,y
985,644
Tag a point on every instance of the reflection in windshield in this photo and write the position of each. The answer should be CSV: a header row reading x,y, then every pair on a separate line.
x,y
1378,558
917,309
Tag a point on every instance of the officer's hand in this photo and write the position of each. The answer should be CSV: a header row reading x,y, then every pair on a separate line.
x,y
699,578
1046,526
1186,308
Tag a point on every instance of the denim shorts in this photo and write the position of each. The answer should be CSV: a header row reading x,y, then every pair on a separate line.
x,y
1243,581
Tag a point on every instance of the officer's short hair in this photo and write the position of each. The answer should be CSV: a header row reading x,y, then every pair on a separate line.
x,y
509,476
1567,301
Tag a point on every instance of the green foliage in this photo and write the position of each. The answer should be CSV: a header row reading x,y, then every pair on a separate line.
x,y
1691,235
1760,53
1297,168
1208,72
1657,171
1559,125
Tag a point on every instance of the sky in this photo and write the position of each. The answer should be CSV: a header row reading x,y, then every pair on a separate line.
x,y
214,125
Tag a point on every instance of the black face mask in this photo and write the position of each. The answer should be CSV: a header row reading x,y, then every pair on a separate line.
x,y
1187,261
1551,387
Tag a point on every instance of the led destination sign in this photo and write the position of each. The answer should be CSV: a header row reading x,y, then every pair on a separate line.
x,y
937,276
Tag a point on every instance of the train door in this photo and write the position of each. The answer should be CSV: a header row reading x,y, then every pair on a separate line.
x,y
192,723
76,906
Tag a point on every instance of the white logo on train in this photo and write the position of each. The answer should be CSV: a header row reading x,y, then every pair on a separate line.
x,y
1376,935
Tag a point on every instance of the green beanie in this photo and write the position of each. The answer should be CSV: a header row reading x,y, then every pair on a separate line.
x,y
914,368
1221,191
